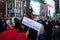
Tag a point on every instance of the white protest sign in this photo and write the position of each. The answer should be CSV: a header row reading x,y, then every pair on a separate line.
x,y
32,24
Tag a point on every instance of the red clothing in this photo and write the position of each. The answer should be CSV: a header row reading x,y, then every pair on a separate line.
x,y
8,27
10,34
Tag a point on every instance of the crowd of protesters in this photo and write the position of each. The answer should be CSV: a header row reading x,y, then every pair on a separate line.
x,y
13,29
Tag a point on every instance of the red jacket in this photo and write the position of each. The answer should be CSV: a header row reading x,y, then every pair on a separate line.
x,y
11,33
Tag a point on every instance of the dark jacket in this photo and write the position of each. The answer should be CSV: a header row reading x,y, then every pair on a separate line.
x,y
1,25
56,33
32,34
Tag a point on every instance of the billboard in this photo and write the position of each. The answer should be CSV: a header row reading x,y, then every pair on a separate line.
x,y
35,6
43,10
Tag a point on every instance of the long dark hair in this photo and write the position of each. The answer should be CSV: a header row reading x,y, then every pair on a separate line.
x,y
18,24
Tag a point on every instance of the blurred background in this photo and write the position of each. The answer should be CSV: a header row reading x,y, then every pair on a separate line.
x,y
41,8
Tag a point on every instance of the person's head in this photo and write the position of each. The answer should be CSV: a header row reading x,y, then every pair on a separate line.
x,y
30,10
17,24
9,24
41,21
8,15
53,22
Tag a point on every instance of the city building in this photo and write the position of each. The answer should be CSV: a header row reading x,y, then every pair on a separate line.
x,y
2,6
14,7
57,13
17,7
21,7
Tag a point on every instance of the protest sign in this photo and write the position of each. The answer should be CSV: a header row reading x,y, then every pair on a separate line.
x,y
31,23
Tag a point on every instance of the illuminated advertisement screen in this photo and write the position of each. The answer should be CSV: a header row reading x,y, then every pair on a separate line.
x,y
35,6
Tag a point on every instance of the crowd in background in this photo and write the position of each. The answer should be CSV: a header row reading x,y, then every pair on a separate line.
x,y
13,29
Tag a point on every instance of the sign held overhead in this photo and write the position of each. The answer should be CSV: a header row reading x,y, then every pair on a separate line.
x,y
32,24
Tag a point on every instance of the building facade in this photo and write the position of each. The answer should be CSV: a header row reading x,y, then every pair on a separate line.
x,y
3,6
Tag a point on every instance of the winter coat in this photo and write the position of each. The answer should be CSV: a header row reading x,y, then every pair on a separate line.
x,y
2,27
13,34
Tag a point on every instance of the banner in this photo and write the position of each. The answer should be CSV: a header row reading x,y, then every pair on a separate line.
x,y
32,24
44,9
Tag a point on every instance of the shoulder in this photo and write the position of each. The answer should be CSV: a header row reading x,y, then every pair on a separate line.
x,y
7,32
